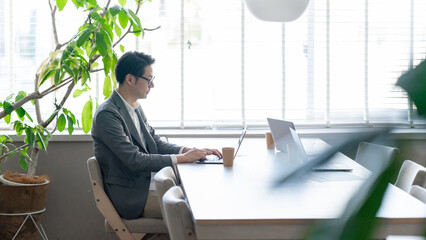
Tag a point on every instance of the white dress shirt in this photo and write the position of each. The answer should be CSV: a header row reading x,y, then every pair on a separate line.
x,y
135,120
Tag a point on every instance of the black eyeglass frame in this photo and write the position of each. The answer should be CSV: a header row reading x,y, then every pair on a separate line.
x,y
149,80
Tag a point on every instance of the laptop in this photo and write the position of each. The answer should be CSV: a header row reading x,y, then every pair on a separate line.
x,y
213,159
281,133
299,154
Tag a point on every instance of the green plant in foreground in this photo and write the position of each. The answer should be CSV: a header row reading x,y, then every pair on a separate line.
x,y
68,67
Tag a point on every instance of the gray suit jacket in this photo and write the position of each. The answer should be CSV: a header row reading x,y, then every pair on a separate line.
x,y
126,163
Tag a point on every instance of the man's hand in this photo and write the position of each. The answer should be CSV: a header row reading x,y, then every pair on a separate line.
x,y
210,151
191,154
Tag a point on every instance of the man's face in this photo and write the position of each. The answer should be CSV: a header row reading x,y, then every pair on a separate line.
x,y
142,87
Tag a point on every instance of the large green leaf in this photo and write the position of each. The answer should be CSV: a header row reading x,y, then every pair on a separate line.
x,y
68,70
70,125
29,136
65,55
7,118
78,3
101,44
18,127
122,2
61,4
135,18
28,116
93,51
52,115
41,140
13,153
108,30
106,37
6,137
57,76
47,75
20,95
83,37
123,18
92,3
77,93
114,10
25,154
136,30
86,116
21,113
61,122
71,115
7,106
23,162
107,87
107,64
94,15
117,30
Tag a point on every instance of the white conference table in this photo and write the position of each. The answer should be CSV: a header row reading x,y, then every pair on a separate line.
x,y
243,202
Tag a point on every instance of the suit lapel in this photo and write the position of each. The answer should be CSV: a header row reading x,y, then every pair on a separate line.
x,y
129,122
148,138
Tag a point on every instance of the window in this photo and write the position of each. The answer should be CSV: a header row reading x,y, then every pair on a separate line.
x,y
218,66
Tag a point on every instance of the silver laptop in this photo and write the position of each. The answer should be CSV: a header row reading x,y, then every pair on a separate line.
x,y
281,133
299,154
213,159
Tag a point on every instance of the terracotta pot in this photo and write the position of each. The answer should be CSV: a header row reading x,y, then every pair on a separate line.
x,y
21,199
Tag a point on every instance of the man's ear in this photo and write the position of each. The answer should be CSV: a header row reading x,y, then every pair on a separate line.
x,y
129,79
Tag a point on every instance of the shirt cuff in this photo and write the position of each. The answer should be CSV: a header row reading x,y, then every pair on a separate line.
x,y
174,159
181,150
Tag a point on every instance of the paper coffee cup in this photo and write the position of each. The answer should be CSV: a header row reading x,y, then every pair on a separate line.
x,y
269,141
228,156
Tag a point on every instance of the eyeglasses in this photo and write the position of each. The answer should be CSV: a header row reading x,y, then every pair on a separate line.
x,y
148,79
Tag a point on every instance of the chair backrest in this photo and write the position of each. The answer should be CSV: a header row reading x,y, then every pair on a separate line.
x,y
407,174
164,180
374,156
418,192
95,171
103,203
178,215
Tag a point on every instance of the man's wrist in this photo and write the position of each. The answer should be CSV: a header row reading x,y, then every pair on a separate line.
x,y
185,149
180,158
174,159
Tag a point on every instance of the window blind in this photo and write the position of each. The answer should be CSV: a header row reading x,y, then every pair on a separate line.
x,y
218,66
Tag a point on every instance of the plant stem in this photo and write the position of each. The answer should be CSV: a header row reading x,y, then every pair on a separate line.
x,y
55,32
36,102
32,165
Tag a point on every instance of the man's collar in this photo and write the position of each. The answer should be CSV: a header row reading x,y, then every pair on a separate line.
x,y
128,106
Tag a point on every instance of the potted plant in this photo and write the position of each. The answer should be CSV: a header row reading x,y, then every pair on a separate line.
x,y
67,68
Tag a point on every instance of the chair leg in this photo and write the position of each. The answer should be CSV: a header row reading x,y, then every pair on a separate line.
x,y
138,236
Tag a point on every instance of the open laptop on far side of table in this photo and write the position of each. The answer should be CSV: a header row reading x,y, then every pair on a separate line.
x,y
300,150
213,159
281,133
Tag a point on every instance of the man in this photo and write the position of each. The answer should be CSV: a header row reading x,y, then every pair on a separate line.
x,y
126,146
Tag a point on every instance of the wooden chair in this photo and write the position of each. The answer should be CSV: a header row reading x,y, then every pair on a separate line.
x,y
408,174
178,215
125,229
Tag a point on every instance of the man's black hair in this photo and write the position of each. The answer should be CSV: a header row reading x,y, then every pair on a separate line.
x,y
132,63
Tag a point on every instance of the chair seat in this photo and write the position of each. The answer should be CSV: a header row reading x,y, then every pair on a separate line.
x,y
142,225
